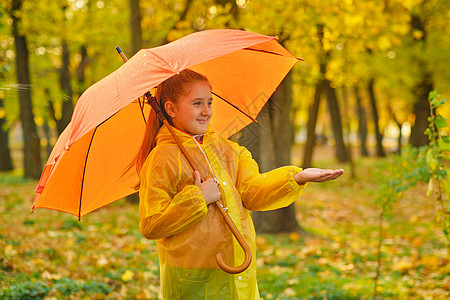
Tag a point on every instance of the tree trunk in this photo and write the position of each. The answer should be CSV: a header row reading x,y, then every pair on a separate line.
x,y
311,126
333,106
136,28
136,45
46,127
66,87
283,130
346,123
399,125
32,146
265,221
5,154
81,77
399,139
362,123
312,119
373,102
421,90
272,142
421,111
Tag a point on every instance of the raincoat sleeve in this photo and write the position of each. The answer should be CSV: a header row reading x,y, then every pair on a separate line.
x,y
268,191
162,210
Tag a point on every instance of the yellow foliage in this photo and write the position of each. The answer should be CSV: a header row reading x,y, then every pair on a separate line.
x,y
38,262
102,261
384,43
403,266
261,243
400,28
446,284
127,275
413,219
418,34
417,242
140,247
294,236
145,294
50,276
10,251
430,262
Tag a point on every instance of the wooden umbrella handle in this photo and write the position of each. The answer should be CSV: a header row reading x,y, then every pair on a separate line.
x,y
222,209
240,239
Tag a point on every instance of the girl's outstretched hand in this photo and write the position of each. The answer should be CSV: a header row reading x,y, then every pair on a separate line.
x,y
317,175
209,188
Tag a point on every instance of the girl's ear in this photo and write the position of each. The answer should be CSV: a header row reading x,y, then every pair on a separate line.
x,y
169,106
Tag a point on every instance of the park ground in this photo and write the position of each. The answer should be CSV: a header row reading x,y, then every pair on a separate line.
x,y
52,254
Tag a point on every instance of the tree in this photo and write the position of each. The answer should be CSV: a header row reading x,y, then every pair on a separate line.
x,y
313,114
362,122
373,102
66,88
5,156
423,87
323,85
135,25
32,146
270,142
333,107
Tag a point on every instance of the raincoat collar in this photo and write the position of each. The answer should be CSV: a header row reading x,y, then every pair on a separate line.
x,y
164,135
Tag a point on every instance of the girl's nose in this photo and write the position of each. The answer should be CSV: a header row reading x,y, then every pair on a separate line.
x,y
205,110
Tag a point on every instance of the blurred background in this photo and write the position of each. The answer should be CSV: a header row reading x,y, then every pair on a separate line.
x,y
358,100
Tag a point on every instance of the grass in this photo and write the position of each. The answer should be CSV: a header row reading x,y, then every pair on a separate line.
x,y
49,254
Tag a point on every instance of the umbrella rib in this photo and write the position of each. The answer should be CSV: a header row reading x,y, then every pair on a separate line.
x,y
142,109
268,52
236,107
84,171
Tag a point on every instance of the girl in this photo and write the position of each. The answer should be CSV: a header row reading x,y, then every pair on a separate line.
x,y
174,206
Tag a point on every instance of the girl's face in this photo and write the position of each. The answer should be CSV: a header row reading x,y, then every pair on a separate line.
x,y
192,112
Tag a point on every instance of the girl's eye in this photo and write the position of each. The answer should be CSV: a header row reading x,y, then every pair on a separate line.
x,y
197,103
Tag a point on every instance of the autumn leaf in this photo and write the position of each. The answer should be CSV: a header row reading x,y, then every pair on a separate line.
x,y
403,266
127,275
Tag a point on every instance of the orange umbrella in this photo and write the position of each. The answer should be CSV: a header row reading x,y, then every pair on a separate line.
x,y
85,169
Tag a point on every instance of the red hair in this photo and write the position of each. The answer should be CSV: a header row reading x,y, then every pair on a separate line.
x,y
169,90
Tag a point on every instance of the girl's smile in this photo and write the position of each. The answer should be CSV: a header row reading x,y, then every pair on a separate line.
x,y
192,112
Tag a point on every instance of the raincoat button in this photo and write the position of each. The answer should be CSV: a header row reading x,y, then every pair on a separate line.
x,y
240,278
224,183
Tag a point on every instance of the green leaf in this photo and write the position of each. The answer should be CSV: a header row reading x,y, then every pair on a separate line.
x,y
430,189
429,156
440,122
433,95
444,144
441,102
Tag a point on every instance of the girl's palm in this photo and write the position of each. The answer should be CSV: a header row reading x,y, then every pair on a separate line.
x,y
317,175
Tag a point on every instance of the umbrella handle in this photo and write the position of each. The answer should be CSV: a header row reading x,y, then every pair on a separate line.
x,y
240,239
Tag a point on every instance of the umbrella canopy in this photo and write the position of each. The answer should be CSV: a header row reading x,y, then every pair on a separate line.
x,y
86,167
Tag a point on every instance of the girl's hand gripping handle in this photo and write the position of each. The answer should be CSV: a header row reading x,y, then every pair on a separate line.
x,y
209,188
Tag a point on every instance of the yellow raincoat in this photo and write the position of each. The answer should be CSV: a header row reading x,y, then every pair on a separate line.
x,y
172,210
